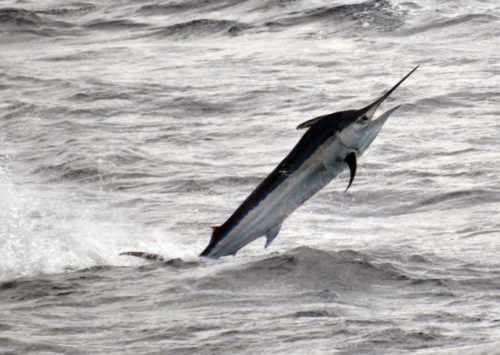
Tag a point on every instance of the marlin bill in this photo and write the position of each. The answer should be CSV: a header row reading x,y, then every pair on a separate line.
x,y
332,143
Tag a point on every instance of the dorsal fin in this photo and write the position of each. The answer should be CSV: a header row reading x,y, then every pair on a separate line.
x,y
310,123
332,119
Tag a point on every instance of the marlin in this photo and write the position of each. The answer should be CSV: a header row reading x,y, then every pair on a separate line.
x,y
332,143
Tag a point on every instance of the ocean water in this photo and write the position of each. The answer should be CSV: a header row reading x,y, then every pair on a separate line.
x,y
136,126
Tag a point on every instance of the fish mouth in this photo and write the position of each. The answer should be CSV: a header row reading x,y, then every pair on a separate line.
x,y
380,118
376,115
373,111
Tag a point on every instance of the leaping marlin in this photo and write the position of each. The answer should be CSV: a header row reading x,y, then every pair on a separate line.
x,y
331,143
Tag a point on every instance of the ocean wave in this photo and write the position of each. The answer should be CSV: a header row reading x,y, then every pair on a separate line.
x,y
113,25
446,200
19,17
28,289
188,6
307,268
200,28
378,14
66,172
78,10
456,21
13,20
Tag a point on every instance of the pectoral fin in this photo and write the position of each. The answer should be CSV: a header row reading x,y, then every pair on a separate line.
x,y
272,234
350,159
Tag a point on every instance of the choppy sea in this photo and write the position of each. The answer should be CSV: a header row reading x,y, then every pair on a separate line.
x,y
138,125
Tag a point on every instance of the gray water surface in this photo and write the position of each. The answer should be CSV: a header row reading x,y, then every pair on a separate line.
x,y
139,125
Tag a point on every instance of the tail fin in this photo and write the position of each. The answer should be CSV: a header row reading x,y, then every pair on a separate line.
x,y
216,236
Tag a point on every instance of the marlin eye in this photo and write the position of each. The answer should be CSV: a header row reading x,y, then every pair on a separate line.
x,y
364,118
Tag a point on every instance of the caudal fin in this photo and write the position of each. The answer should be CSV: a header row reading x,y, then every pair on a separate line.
x,y
216,236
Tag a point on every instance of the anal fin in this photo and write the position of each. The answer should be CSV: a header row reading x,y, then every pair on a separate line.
x,y
350,159
272,234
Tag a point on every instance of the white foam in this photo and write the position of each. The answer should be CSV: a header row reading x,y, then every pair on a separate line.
x,y
47,231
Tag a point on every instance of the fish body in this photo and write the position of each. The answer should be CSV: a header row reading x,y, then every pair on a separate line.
x,y
331,144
